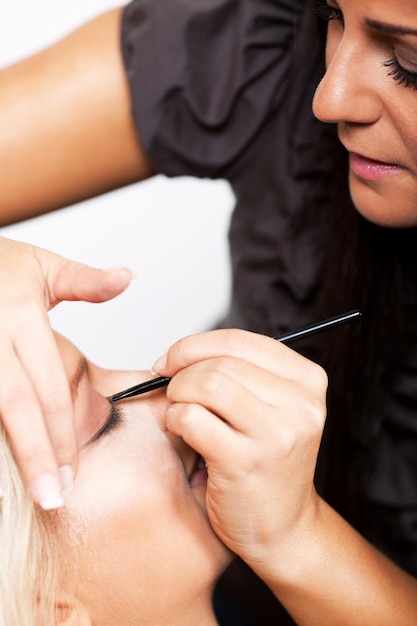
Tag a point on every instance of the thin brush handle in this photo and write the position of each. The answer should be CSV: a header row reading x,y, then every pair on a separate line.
x,y
137,390
318,327
289,337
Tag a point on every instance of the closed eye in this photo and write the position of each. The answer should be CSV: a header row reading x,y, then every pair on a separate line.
x,y
401,75
113,420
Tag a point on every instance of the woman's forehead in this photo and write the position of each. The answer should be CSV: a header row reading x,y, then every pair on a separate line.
x,y
398,8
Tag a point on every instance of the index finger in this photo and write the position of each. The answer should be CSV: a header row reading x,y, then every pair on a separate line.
x,y
257,349
36,409
42,362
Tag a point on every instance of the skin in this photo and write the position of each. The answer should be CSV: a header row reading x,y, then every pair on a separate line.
x,y
375,115
133,522
76,135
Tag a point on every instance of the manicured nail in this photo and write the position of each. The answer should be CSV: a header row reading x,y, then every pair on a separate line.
x,y
46,490
123,270
67,478
160,364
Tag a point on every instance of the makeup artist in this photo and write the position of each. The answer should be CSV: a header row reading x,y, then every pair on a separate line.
x,y
224,89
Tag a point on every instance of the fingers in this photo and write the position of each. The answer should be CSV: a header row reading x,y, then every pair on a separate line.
x,y
202,430
255,382
50,385
248,398
24,422
265,352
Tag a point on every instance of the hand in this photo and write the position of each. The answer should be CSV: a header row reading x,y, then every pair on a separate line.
x,y
35,400
255,410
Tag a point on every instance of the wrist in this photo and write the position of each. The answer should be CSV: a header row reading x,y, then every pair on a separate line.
x,y
290,557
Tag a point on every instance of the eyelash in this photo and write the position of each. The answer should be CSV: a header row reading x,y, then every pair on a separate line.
x,y
401,75
397,72
327,13
115,419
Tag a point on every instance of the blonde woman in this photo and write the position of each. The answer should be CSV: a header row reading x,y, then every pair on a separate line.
x,y
147,529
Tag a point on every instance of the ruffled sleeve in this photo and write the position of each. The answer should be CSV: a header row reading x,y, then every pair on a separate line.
x,y
205,78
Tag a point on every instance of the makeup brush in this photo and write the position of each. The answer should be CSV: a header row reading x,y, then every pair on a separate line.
x,y
301,333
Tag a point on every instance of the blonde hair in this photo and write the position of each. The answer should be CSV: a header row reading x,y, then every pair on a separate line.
x,y
28,559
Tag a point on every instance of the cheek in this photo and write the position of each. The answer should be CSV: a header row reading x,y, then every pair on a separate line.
x,y
407,129
124,499
136,529
126,468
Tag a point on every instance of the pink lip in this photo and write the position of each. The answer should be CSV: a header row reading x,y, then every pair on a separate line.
x,y
370,169
199,473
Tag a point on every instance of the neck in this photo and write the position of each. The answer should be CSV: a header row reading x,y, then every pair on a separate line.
x,y
200,611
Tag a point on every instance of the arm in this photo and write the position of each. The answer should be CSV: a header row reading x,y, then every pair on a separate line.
x,y
261,458
65,124
333,576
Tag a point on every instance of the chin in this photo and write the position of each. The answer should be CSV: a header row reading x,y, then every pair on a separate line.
x,y
380,204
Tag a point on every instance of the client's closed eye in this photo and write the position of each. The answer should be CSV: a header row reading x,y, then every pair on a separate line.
x,y
113,420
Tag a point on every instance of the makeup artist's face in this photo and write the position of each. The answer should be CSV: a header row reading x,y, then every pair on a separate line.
x,y
134,526
370,91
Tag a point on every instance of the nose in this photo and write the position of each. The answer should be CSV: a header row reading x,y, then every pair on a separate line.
x,y
347,93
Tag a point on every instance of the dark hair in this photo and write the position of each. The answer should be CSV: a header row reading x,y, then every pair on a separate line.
x,y
373,269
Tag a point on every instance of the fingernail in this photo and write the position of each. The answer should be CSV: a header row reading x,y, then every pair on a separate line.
x,y
46,490
123,270
67,478
160,364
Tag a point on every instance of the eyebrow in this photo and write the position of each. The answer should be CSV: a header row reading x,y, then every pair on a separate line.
x,y
80,372
390,29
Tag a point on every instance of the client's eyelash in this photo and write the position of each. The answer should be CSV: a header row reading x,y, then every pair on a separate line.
x,y
401,75
115,418
326,12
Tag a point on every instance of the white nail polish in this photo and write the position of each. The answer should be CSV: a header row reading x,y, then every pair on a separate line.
x,y
67,478
46,490
160,364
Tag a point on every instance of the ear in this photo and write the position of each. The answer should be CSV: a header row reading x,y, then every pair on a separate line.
x,y
70,612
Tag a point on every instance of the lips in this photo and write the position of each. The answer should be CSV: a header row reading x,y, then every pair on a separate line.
x,y
195,467
199,474
370,169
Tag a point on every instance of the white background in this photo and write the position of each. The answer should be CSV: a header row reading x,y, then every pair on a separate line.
x,y
172,233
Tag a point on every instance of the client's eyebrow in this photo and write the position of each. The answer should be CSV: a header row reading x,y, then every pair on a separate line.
x,y
80,372
390,29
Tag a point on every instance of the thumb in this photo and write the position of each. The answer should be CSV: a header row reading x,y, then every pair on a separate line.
x,y
70,280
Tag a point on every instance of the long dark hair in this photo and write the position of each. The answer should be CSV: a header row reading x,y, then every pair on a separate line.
x,y
373,269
